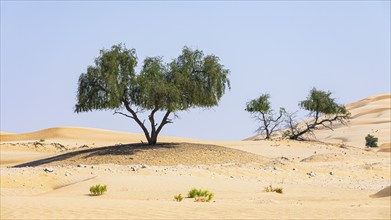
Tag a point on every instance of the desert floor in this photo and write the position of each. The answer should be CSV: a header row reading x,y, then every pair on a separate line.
x,y
320,180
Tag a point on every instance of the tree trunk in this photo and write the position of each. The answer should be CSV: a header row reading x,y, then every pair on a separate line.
x,y
267,135
153,139
266,125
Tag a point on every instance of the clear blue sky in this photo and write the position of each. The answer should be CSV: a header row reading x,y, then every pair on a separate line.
x,y
283,48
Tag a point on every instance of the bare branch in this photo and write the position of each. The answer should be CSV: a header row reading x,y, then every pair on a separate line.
x,y
136,119
165,121
121,113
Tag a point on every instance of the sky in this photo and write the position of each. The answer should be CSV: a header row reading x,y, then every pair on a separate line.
x,y
283,48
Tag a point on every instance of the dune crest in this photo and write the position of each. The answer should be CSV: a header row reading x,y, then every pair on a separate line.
x,y
64,133
6,133
371,115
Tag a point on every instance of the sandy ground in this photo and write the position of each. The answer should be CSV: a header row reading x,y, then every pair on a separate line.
x,y
319,180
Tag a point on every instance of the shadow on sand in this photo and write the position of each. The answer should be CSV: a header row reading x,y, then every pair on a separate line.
x,y
126,149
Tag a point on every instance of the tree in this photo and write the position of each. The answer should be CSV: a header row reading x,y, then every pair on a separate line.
x,y
261,110
189,81
324,112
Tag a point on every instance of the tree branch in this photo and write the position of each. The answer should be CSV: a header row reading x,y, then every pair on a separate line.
x,y
121,113
165,121
136,119
152,120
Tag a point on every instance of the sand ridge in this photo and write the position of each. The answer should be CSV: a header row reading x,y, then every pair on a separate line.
x,y
369,116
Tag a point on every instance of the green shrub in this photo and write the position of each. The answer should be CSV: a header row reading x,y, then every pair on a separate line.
x,y
42,140
371,141
200,195
98,190
192,193
178,197
271,189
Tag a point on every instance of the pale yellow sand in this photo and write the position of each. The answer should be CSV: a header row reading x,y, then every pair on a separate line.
x,y
348,182
369,116
5,133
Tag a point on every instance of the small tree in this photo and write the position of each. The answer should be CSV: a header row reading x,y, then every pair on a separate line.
x,y
291,123
324,112
371,141
189,81
260,109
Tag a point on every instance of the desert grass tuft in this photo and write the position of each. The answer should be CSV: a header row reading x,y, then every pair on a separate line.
x,y
276,189
200,195
178,197
98,190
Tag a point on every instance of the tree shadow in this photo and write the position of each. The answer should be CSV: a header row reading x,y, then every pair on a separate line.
x,y
125,149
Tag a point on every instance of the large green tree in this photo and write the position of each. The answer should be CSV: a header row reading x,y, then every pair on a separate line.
x,y
191,80
323,110
261,110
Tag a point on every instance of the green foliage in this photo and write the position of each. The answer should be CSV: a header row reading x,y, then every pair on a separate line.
x,y
98,189
42,140
271,189
189,81
192,193
200,195
261,110
112,78
371,141
324,111
320,102
261,104
178,197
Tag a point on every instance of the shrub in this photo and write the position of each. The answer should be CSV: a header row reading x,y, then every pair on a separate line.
x,y
192,193
278,190
178,197
271,189
200,195
42,140
98,190
371,141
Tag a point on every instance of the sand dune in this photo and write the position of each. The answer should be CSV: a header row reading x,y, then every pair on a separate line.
x,y
70,134
46,174
5,133
369,116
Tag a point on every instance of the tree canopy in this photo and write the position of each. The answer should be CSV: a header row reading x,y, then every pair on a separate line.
x,y
261,110
324,111
189,81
